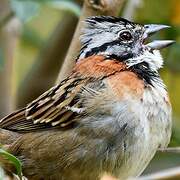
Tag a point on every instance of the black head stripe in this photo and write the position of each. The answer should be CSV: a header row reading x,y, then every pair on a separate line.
x,y
101,48
109,19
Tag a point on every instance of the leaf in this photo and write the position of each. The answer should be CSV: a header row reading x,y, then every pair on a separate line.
x,y
25,10
66,5
14,161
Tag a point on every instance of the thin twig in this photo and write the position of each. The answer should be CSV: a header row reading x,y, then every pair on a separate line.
x,y
170,150
172,173
9,35
130,9
6,19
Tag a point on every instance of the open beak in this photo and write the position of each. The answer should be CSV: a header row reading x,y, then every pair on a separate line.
x,y
151,29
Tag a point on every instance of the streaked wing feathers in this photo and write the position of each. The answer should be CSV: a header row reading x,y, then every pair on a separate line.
x,y
53,108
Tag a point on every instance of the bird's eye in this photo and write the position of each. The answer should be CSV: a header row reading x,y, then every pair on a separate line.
x,y
125,36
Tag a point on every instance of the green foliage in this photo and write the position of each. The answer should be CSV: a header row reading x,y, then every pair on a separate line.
x,y
14,161
156,11
175,140
173,58
66,5
24,10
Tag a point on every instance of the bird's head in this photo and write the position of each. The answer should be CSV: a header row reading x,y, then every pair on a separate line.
x,y
121,39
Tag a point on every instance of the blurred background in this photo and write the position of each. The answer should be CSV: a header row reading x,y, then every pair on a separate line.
x,y
34,39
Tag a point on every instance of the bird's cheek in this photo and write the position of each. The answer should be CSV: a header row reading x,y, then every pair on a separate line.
x,y
137,49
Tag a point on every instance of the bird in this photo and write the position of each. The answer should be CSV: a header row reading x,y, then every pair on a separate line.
x,y
109,116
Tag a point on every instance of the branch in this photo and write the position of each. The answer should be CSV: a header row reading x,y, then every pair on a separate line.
x,y
90,8
170,150
9,35
44,72
173,173
6,19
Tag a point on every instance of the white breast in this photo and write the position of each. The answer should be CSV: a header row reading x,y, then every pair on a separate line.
x,y
151,128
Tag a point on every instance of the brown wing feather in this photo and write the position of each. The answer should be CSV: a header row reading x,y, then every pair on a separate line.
x,y
13,118
17,122
51,109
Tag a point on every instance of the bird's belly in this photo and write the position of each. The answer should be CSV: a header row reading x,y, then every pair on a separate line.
x,y
148,128
140,149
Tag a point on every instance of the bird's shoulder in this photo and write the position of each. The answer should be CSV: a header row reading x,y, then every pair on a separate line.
x,y
115,73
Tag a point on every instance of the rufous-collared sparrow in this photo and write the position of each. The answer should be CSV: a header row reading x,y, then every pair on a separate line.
x,y
110,115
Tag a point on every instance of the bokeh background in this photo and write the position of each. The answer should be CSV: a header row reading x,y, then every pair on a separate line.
x,y
35,36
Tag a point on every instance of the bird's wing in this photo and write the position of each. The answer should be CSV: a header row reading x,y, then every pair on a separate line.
x,y
59,106
56,107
